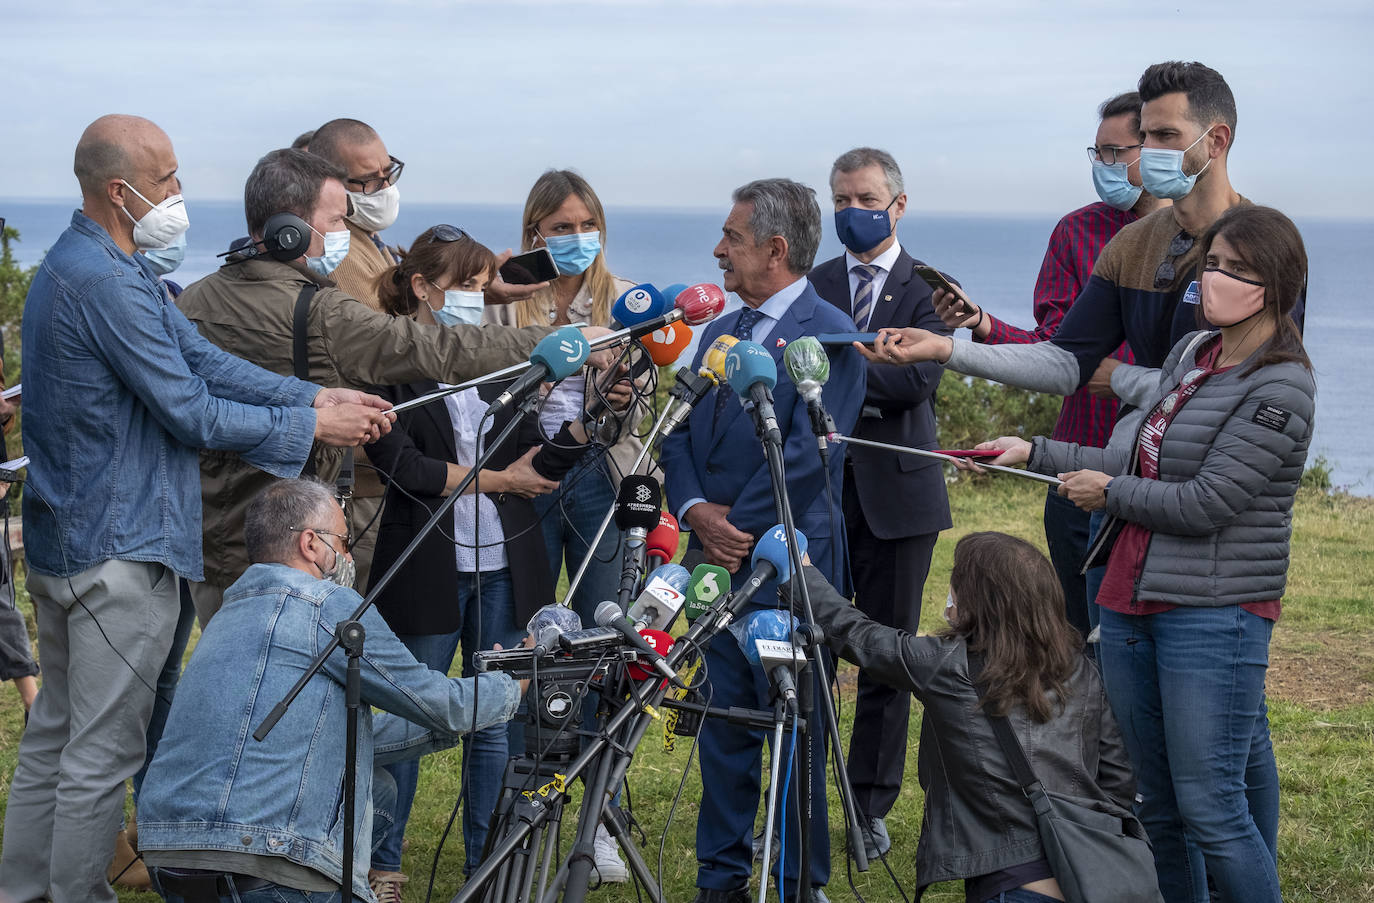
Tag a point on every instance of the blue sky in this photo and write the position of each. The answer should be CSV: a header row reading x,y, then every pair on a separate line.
x,y
986,105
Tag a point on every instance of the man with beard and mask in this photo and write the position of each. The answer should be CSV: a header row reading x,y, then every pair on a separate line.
x,y
894,505
1144,286
1073,248
250,307
121,393
227,818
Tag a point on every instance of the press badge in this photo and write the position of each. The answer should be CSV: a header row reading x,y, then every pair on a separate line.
x,y
1193,295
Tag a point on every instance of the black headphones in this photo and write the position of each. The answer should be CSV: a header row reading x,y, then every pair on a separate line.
x,y
285,236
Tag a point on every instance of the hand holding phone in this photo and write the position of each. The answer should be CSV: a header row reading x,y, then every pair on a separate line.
x,y
529,268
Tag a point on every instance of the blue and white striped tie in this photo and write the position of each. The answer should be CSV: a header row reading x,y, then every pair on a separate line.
x,y
863,295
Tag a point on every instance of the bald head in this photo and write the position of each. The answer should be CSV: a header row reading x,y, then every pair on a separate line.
x,y
338,137
117,147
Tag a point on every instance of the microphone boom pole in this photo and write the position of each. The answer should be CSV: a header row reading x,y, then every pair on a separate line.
x,y
924,453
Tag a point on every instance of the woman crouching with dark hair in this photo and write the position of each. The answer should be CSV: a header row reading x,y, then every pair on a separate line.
x,y
1006,613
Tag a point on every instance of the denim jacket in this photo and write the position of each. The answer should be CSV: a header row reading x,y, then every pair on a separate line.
x,y
211,786
121,394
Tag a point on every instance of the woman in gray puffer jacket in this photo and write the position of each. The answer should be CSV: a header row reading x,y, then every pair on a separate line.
x,y
1198,487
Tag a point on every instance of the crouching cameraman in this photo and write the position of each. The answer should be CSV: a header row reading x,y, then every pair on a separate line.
x,y
225,817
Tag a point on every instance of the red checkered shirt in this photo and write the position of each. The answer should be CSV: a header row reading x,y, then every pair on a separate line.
x,y
1074,245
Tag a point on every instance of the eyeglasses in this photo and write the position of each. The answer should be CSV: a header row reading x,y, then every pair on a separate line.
x,y
346,537
446,233
374,184
1108,153
1164,276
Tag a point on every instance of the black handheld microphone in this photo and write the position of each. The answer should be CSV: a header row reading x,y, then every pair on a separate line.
x,y
637,507
609,614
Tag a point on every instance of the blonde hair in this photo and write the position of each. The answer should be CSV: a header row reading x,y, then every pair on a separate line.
x,y
548,194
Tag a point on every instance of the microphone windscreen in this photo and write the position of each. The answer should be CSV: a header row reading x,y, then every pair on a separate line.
x,y
665,345
747,364
658,641
700,303
663,540
671,292
560,617
772,547
638,503
709,583
767,624
714,358
563,351
675,575
806,361
640,303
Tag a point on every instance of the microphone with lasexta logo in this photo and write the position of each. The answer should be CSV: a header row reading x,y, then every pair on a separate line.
x,y
559,354
808,366
752,373
637,508
709,584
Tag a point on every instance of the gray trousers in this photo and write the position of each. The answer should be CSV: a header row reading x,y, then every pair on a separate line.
x,y
86,732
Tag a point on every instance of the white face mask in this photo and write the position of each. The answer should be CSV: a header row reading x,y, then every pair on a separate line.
x,y
377,211
460,307
161,225
343,572
335,250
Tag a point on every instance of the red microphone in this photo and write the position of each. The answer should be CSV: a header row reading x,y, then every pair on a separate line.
x,y
661,643
695,305
661,543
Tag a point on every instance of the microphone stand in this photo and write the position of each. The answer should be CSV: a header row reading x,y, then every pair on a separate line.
x,y
350,634
777,473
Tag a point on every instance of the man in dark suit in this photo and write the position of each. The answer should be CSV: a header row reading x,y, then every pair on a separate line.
x,y
718,485
894,504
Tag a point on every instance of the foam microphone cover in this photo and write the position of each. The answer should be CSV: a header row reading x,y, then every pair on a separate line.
x,y
747,364
709,582
671,292
638,503
661,643
806,361
563,351
663,539
772,547
666,345
640,303
700,303
714,359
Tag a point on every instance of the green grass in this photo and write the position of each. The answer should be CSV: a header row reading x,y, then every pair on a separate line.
x,y
1324,740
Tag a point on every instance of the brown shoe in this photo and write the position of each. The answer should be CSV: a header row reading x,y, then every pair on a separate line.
x,y
127,868
386,885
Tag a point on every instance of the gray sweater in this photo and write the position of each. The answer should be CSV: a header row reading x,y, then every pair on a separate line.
x,y
1229,466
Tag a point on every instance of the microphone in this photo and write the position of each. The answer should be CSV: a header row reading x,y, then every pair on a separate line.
x,y
672,291
770,561
688,388
639,304
662,598
637,507
808,367
665,345
558,354
713,361
660,642
661,544
608,614
766,638
751,372
549,623
710,582
697,304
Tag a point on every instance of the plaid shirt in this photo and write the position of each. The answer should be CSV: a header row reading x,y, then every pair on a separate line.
x,y
1074,245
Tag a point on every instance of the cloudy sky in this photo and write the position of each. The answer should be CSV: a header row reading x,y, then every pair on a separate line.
x,y
987,105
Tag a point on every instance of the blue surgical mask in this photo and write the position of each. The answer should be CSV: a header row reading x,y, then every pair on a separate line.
x,y
460,308
335,250
574,253
862,230
1114,185
166,260
1161,170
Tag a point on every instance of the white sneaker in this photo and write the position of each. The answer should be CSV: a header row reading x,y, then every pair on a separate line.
x,y
608,863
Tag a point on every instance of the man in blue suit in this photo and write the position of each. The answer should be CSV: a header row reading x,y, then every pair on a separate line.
x,y
718,485
894,504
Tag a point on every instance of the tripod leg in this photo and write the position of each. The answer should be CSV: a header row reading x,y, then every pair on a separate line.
x,y
769,820
619,828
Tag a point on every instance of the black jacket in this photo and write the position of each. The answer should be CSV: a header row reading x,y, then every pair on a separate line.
x,y
977,821
422,599
901,495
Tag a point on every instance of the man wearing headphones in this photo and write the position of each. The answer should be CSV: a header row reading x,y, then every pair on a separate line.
x,y
121,393
273,303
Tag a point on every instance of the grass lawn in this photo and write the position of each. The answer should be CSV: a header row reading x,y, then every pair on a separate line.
x,y
1321,688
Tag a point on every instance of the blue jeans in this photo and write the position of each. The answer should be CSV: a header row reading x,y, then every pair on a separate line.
x,y
1020,895
489,747
1093,579
1187,688
569,517
167,680
1066,535
274,893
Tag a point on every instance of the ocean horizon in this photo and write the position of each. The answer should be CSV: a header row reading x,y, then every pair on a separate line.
x,y
996,257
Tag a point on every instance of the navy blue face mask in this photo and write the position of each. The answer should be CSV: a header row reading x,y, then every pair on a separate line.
x,y
863,230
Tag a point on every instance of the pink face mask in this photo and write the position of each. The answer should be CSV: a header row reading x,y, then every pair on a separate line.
x,y
1228,299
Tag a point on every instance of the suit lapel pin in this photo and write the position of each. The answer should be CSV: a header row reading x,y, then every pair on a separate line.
x,y
782,343
887,297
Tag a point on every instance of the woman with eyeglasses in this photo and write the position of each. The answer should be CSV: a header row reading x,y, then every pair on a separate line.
x,y
563,214
1198,489
477,579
